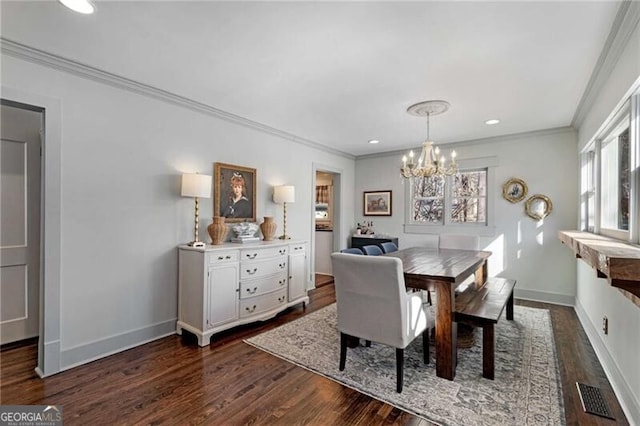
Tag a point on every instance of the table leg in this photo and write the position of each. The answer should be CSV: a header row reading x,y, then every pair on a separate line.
x,y
446,331
481,274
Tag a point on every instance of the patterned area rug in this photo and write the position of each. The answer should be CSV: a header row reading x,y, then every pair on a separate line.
x,y
526,389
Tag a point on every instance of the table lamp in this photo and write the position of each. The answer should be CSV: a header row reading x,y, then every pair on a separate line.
x,y
282,195
196,186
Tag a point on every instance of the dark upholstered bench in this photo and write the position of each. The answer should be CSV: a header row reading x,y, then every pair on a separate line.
x,y
481,307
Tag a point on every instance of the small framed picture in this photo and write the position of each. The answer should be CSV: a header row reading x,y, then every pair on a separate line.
x,y
514,190
234,193
377,203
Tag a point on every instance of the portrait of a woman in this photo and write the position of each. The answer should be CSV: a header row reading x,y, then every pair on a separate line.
x,y
237,204
234,193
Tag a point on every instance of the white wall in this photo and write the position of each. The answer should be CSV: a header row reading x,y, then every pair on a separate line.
x,y
121,212
522,248
595,298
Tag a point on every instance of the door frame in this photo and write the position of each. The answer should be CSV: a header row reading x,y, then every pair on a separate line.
x,y
50,223
337,211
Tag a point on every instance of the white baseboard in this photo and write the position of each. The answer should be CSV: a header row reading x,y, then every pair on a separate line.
x,y
629,404
543,296
82,354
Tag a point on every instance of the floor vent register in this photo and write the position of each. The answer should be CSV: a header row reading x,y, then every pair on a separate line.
x,y
593,401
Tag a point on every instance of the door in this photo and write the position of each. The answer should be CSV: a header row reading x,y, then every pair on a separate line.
x,y
324,221
19,223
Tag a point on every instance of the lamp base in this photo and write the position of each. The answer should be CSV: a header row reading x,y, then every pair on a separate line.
x,y
284,237
197,244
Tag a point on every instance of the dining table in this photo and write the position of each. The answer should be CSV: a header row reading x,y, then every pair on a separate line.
x,y
443,270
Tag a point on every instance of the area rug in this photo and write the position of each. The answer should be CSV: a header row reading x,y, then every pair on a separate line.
x,y
526,389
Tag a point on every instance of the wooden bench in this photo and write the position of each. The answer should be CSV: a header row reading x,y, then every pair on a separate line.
x,y
481,307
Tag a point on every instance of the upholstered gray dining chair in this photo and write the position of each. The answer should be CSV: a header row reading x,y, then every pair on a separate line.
x,y
388,247
373,304
352,250
372,250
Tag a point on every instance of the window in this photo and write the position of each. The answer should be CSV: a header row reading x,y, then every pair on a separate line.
x,y
428,199
615,180
607,188
469,197
461,200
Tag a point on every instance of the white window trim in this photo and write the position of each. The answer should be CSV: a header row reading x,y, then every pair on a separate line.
x,y
483,230
629,110
610,135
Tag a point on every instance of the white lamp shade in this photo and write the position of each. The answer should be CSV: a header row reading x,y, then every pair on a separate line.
x,y
196,185
284,194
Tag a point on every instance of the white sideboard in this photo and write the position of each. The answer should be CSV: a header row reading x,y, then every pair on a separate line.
x,y
223,286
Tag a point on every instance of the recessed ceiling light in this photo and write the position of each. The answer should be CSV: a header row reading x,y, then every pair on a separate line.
x,y
374,141
80,6
492,121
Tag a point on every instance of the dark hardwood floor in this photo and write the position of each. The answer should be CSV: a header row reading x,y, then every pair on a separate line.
x,y
174,381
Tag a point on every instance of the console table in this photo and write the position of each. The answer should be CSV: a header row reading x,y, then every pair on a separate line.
x,y
358,241
222,286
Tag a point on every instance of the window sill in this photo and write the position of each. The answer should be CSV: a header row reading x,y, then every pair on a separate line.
x,y
615,260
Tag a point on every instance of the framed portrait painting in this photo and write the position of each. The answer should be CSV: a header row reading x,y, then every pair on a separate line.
x,y
377,203
234,193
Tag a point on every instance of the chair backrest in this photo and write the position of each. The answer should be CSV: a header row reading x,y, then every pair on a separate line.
x,y
388,247
352,250
462,242
372,250
372,299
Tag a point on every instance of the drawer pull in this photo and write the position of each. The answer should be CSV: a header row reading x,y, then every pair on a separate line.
x,y
282,251
297,248
281,299
252,291
282,282
251,272
224,257
251,256
282,265
250,310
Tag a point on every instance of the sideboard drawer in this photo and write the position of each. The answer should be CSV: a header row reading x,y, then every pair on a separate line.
x,y
262,269
266,302
223,256
263,253
251,288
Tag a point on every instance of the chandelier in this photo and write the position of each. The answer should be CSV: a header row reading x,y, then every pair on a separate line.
x,y
429,162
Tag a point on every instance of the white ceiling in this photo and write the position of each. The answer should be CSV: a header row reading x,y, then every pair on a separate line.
x,y
341,73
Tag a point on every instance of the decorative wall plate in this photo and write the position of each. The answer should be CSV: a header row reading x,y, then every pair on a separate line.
x,y
538,206
514,190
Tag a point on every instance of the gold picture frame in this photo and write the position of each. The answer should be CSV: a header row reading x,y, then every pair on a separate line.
x,y
538,206
235,207
514,190
377,203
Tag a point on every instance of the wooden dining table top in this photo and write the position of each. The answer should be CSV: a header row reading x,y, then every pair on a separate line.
x,y
451,265
442,270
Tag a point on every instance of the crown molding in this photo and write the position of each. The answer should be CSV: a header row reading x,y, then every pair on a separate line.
x,y
30,54
624,25
492,139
